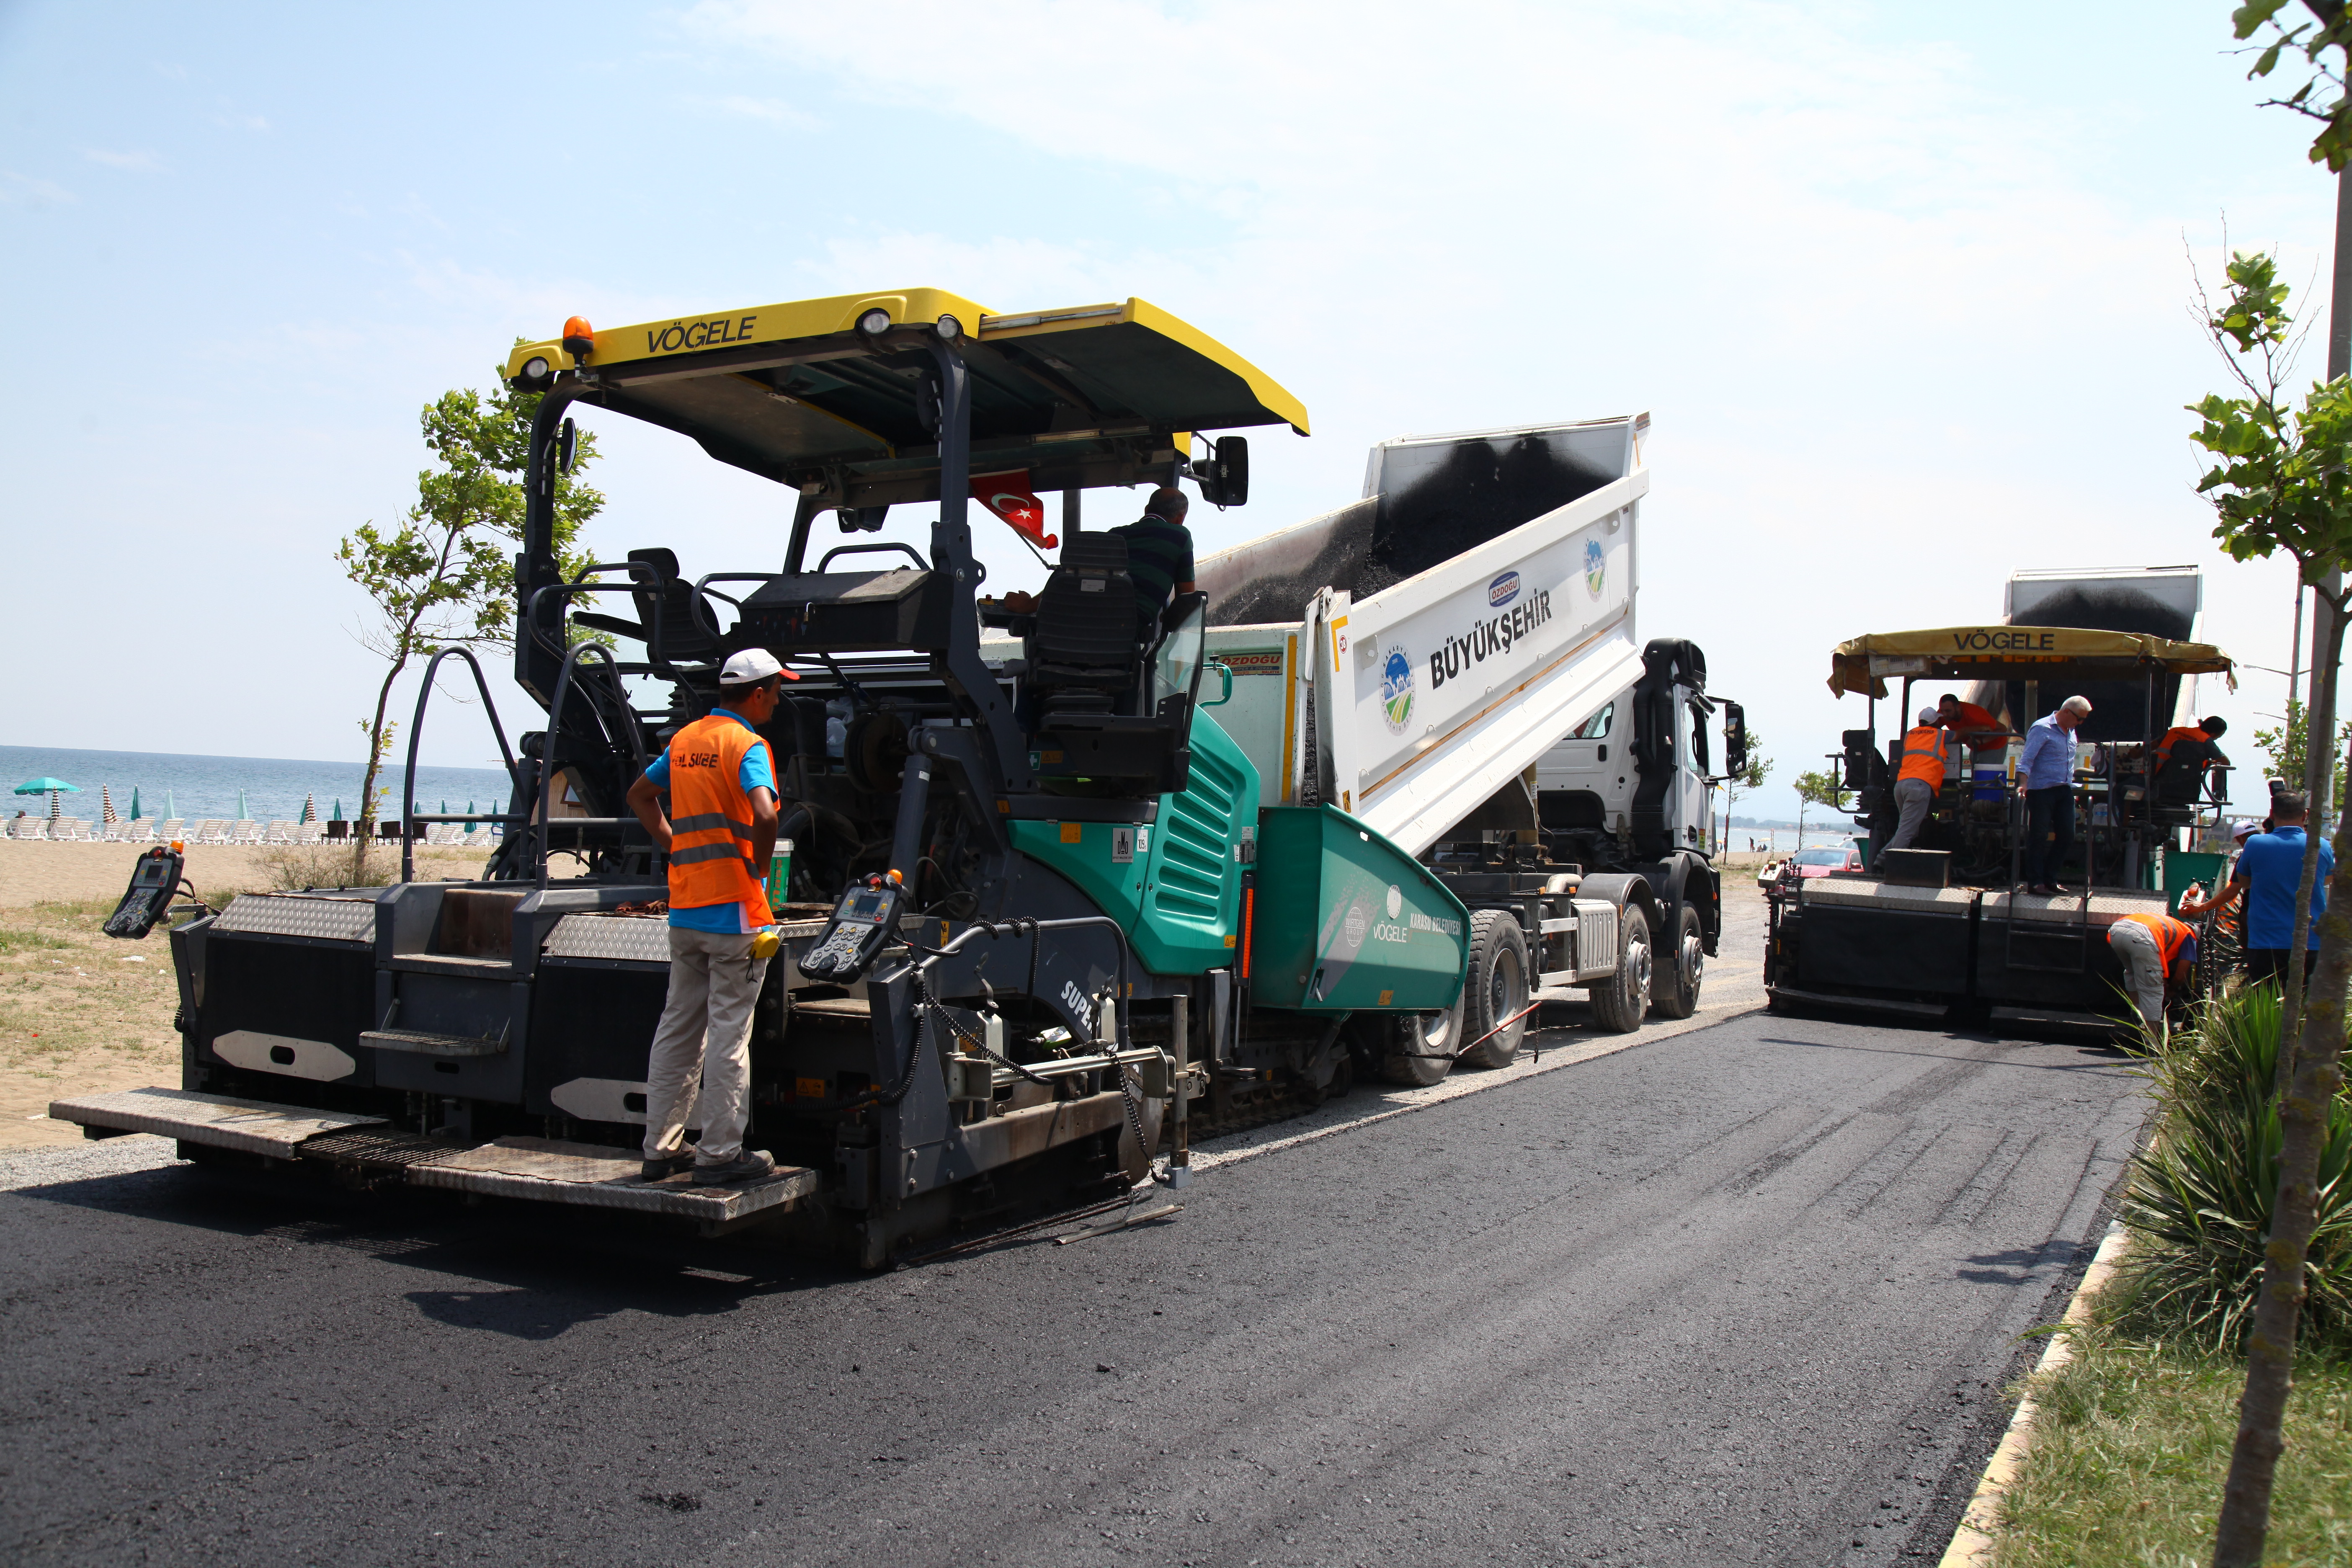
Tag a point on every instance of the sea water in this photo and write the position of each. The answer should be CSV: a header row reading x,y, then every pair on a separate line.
x,y
196,787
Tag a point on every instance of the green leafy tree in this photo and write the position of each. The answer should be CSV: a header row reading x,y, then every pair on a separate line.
x,y
2282,482
445,577
1746,780
1819,788
2325,24
2284,747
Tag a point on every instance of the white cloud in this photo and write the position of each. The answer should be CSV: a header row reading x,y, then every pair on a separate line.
x,y
774,111
138,162
1902,327
25,190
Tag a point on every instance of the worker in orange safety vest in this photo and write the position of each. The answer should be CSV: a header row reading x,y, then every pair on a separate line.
x,y
2189,747
2155,950
1925,751
1966,720
720,778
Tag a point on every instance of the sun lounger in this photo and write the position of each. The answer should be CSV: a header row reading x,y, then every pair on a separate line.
x,y
245,831
70,830
170,827
211,830
279,833
29,827
138,830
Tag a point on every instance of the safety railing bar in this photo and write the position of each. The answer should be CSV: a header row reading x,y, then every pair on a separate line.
x,y
416,727
826,559
709,628
547,768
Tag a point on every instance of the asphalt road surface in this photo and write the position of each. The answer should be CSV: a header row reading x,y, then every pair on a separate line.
x,y
1747,1294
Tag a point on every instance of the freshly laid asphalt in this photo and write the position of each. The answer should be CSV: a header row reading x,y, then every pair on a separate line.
x,y
1749,1294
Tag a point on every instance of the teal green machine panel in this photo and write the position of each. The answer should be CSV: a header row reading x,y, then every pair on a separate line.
x,y
1175,886
2184,869
1348,922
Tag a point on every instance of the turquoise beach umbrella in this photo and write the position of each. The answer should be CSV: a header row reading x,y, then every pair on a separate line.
x,y
242,815
134,802
50,788
338,810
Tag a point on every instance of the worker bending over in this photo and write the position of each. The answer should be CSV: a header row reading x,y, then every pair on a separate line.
x,y
2182,757
2156,950
720,778
1968,721
2046,775
1919,779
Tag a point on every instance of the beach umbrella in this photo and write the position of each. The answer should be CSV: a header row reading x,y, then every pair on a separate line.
x,y
171,806
134,802
50,788
309,807
242,815
105,804
339,809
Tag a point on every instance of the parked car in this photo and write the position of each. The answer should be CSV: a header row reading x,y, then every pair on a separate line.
x,y
1821,861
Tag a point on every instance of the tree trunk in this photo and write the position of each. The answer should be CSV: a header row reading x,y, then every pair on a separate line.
x,y
2318,770
366,825
2303,1123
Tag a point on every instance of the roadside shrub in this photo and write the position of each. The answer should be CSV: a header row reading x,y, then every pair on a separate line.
x,y
2200,1198
292,867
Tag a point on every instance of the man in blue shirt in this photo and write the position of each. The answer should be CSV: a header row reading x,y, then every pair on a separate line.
x,y
2046,774
2269,870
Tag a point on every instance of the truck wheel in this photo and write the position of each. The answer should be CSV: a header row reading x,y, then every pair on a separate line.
x,y
1419,1047
1619,1000
1495,989
1673,993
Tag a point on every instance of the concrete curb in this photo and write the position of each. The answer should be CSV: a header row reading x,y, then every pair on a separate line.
x,y
1972,1542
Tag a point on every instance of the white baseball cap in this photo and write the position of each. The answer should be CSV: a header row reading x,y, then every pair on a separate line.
x,y
2247,831
750,667
1928,715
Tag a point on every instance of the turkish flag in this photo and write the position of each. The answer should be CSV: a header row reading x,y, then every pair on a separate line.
x,y
1010,499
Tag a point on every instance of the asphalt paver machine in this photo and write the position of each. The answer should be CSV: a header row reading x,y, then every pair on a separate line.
x,y
1039,897
1945,926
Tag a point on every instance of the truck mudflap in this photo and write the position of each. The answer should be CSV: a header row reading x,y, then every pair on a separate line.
x,y
537,1170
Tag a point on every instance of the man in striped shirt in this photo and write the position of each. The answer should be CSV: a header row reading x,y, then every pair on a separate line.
x,y
1159,553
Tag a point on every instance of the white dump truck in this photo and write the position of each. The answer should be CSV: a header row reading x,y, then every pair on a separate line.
x,y
1452,660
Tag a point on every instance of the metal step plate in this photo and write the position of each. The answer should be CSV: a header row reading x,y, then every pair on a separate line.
x,y
253,1126
544,1169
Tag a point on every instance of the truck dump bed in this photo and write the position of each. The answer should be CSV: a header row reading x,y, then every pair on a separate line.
x,y
1408,656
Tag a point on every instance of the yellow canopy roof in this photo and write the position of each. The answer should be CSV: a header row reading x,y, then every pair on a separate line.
x,y
1087,395
2015,653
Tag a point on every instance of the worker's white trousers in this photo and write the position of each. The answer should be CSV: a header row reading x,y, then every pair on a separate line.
x,y
2134,946
1912,797
704,1039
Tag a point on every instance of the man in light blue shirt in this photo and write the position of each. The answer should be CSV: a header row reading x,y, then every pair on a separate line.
x,y
2047,776
2268,872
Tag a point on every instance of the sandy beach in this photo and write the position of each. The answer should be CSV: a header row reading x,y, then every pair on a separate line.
x,y
83,1014
37,871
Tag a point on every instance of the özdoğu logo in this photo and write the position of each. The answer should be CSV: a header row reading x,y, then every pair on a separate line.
x,y
1503,590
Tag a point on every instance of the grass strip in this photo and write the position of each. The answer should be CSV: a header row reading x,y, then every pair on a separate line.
x,y
2130,1447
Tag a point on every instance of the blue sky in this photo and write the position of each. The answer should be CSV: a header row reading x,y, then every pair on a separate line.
x,y
1904,288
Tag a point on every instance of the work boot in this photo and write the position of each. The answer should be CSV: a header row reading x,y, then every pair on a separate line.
x,y
748,1166
667,1165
